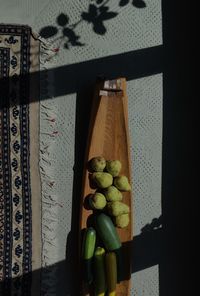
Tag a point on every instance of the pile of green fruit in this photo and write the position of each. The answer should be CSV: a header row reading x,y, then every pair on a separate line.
x,y
110,185
101,246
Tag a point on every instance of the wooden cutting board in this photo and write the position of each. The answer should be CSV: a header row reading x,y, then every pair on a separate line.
x,y
109,137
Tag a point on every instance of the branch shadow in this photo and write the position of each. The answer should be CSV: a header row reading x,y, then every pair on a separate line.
x,y
97,14
163,246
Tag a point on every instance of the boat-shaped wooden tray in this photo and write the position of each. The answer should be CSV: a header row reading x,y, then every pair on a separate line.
x,y
108,136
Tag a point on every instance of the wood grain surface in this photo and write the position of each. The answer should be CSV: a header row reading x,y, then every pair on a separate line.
x,y
108,136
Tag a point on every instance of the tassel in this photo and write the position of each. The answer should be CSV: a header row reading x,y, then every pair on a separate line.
x,y
50,204
47,49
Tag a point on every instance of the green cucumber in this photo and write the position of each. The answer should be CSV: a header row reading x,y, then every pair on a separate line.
x,y
99,272
107,232
111,272
88,248
89,241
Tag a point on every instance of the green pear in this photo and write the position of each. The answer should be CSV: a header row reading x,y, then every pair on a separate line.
x,y
112,194
122,183
122,221
98,201
98,164
113,167
102,180
116,208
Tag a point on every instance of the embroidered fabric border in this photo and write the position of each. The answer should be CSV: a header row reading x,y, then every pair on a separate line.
x,y
15,161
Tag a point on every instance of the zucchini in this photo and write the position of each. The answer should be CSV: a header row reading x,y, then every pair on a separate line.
x,y
89,241
107,232
111,273
99,272
88,247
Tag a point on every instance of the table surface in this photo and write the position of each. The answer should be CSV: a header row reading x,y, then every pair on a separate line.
x,y
128,45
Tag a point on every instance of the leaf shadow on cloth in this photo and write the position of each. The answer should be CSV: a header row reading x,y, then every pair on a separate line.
x,y
168,243
97,14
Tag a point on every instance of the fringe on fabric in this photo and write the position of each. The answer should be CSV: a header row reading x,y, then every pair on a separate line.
x,y
49,198
47,50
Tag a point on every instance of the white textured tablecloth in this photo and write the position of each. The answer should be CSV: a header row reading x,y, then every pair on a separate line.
x,y
132,29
